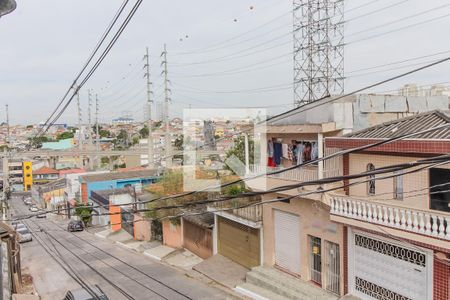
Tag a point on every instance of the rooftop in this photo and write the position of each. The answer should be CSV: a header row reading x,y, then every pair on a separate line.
x,y
119,175
408,125
45,170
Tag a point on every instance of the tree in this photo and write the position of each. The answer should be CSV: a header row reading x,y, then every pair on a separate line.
x,y
122,138
104,133
64,135
239,149
178,143
135,140
144,132
84,211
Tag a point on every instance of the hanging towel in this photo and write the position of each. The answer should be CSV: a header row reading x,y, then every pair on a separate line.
x,y
299,153
270,149
285,151
277,153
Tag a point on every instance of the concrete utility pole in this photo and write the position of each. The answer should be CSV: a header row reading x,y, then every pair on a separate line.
x,y
97,133
91,162
80,129
151,156
168,142
7,124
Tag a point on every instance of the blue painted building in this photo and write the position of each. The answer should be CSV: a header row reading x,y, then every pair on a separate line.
x,y
115,180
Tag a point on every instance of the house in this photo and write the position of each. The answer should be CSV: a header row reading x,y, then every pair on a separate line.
x,y
114,180
51,194
238,232
45,175
396,231
301,242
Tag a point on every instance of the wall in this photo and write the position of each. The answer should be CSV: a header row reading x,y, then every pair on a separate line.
x,y
411,182
115,217
314,220
172,234
142,228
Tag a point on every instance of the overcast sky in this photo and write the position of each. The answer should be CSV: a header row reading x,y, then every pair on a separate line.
x,y
44,43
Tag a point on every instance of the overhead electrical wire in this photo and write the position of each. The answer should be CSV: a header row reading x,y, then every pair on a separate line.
x,y
94,52
299,166
99,60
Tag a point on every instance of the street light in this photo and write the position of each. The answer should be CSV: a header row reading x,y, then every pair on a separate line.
x,y
7,6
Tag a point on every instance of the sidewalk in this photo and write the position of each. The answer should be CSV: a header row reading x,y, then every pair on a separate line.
x,y
212,272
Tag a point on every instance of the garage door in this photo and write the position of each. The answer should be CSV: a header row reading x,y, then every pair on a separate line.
x,y
287,241
384,269
238,242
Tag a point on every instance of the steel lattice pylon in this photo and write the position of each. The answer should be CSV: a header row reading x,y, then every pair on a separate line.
x,y
318,49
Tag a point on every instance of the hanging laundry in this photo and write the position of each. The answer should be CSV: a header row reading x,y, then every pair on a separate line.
x,y
277,153
285,150
299,153
270,148
314,151
291,155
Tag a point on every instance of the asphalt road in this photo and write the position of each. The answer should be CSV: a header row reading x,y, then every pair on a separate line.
x,y
58,259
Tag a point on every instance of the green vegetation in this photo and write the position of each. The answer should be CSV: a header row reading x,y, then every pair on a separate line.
x,y
65,135
144,132
84,212
239,149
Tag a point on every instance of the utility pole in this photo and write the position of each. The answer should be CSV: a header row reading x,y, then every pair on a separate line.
x,y
80,130
151,156
97,133
168,142
91,163
7,124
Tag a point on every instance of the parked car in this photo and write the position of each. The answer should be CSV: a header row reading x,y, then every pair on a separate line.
x,y
75,225
24,235
82,294
34,209
27,202
41,214
19,226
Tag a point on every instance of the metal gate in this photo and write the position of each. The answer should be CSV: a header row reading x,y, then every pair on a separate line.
x,y
332,267
197,239
239,242
383,269
127,221
287,241
315,245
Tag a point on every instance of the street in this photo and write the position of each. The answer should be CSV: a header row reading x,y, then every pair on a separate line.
x,y
59,260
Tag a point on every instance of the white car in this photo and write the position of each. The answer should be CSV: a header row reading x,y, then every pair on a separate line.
x,y
24,235
34,209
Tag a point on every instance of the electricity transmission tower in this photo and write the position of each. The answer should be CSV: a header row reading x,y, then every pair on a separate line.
x,y
318,49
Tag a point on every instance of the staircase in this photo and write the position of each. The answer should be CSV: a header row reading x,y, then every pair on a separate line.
x,y
265,283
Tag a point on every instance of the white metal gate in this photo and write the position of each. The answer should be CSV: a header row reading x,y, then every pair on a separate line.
x,y
287,241
383,269
333,267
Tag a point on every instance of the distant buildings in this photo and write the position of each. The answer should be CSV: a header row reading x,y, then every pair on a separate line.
x,y
123,121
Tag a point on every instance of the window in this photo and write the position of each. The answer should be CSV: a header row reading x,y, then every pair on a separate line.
x,y
315,259
398,185
439,189
371,182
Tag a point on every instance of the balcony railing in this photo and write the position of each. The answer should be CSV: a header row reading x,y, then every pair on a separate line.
x,y
251,213
413,220
300,174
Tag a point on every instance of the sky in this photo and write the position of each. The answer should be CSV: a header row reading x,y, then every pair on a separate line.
x,y
220,53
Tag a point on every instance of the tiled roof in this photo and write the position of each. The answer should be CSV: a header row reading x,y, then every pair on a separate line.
x,y
408,125
45,170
